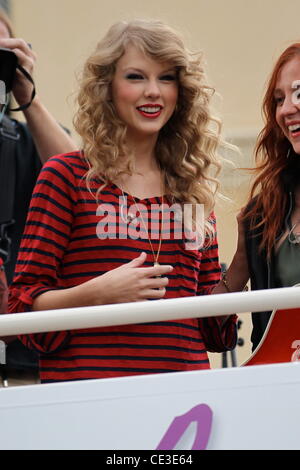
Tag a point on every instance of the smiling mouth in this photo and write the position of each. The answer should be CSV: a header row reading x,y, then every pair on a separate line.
x,y
150,111
294,130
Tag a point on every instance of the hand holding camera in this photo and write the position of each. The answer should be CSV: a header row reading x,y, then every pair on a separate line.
x,y
16,68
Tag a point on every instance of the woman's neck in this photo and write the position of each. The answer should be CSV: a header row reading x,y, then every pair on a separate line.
x,y
146,180
143,151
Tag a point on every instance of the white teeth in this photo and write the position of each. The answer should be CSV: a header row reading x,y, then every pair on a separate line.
x,y
294,127
149,109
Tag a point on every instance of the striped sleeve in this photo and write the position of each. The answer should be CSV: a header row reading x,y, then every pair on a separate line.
x,y
44,241
3,289
218,335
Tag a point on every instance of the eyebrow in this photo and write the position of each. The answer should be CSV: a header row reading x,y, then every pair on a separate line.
x,y
279,90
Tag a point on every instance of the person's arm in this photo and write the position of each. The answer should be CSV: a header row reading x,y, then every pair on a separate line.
x,y
45,239
219,333
49,137
237,274
3,299
50,224
130,282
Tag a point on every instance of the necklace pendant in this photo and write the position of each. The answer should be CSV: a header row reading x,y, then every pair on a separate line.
x,y
294,238
127,218
130,217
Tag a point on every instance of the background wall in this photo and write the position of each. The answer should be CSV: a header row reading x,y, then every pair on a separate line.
x,y
240,40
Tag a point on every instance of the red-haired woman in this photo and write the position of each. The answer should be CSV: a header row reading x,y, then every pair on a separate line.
x,y
268,249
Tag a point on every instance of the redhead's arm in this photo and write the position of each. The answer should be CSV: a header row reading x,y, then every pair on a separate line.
x,y
237,274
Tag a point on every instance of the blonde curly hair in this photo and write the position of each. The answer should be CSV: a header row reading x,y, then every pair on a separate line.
x,y
186,148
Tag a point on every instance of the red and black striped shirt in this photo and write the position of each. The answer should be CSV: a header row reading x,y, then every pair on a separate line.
x,y
64,245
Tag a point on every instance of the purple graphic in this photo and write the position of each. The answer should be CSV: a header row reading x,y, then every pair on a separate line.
x,y
202,415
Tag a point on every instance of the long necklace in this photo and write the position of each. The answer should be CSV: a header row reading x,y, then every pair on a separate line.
x,y
155,255
130,218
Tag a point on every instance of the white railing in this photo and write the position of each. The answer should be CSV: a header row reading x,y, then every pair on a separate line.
x,y
143,312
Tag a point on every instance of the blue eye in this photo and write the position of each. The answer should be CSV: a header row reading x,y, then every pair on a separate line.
x,y
134,76
168,78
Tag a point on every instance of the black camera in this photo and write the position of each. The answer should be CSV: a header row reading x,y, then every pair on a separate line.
x,y
8,66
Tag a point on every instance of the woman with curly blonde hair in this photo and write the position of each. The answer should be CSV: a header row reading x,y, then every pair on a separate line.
x,y
106,223
185,148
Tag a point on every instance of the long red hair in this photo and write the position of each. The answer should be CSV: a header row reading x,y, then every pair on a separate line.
x,y
270,201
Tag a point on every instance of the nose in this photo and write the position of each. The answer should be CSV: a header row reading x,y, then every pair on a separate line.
x,y
289,107
152,89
